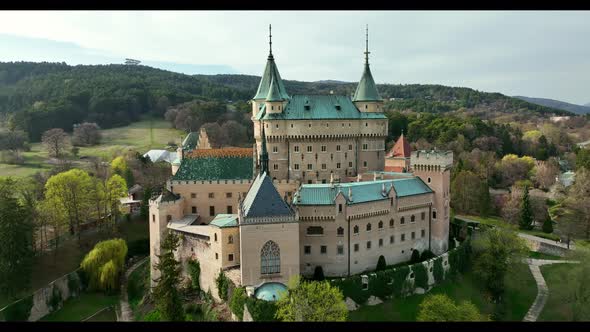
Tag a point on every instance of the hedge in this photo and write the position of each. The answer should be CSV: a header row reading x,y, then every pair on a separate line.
x,y
420,275
439,271
261,310
236,304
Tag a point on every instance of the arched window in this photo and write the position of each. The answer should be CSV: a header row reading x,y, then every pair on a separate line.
x,y
368,227
391,222
270,258
356,229
402,220
412,218
230,239
380,224
340,231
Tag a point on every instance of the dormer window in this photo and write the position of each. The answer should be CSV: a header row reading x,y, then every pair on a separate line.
x,y
338,107
307,107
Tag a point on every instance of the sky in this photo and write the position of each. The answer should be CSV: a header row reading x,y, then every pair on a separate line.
x,y
531,53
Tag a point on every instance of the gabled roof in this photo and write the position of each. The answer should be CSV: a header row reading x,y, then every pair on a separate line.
x,y
366,90
271,72
263,200
191,141
400,149
216,168
225,220
319,107
160,155
324,194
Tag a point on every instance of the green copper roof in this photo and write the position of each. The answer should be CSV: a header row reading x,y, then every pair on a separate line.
x,y
225,220
215,168
320,107
324,194
273,92
271,72
191,141
366,90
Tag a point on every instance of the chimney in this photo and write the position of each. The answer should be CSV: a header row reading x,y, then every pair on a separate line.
x,y
358,178
331,180
374,176
350,193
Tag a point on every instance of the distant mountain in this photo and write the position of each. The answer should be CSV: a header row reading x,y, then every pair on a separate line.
x,y
331,82
562,105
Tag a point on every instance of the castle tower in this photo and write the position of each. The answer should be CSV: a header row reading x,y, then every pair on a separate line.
x,y
434,168
398,158
367,98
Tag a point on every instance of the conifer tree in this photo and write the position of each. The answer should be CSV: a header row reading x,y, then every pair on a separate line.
x,y
526,214
548,225
166,295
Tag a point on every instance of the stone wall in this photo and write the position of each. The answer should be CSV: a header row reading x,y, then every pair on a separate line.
x,y
45,300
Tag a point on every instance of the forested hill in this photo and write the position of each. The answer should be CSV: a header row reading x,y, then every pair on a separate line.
x,y
578,109
40,96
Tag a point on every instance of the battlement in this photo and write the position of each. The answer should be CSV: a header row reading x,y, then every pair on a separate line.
x,y
443,159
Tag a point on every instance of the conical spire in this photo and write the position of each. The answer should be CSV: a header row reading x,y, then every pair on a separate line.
x,y
273,92
366,90
263,155
271,73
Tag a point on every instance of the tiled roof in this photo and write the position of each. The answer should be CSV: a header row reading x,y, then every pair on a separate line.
x,y
263,200
225,220
366,90
400,149
367,191
191,141
224,152
320,107
216,168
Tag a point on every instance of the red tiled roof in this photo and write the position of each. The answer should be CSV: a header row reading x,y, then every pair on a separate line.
x,y
400,149
225,152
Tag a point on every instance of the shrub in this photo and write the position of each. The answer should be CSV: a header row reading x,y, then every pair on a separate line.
x,y
426,255
237,302
74,285
381,265
400,285
152,316
194,270
19,311
352,287
138,248
104,263
548,225
379,284
420,275
318,273
222,285
261,311
438,270
415,256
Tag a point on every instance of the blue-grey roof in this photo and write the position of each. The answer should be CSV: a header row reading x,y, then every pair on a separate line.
x,y
367,191
271,72
225,220
320,107
263,200
270,291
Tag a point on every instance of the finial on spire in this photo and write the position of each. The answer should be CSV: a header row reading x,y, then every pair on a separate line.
x,y
270,39
367,45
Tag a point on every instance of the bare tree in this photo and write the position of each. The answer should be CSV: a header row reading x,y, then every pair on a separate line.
x,y
85,134
546,173
56,141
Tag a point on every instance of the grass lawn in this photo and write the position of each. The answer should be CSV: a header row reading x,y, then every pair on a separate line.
x,y
556,277
540,255
499,222
81,307
520,294
140,136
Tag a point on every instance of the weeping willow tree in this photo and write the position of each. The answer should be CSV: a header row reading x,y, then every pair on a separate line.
x,y
104,264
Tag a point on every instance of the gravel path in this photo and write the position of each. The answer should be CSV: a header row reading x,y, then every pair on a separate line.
x,y
126,312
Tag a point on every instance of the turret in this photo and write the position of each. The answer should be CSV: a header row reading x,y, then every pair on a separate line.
x,y
274,102
366,97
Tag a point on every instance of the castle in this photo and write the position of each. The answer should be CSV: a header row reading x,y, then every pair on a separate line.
x,y
316,189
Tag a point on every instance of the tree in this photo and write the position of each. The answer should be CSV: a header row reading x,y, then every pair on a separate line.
x,y
548,225
381,265
313,301
440,308
104,264
215,134
526,214
13,141
583,158
116,188
470,194
144,210
415,256
86,134
56,141
512,207
546,173
56,218
572,214
119,165
16,246
234,134
495,251
166,295
71,191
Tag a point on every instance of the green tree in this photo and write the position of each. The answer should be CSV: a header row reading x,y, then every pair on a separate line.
x,y
548,224
526,214
144,210
313,301
116,188
16,247
583,158
381,265
119,166
496,251
104,264
440,308
166,294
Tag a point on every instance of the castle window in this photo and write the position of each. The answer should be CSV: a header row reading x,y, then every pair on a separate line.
x,y
356,247
349,124
275,167
327,125
350,164
368,227
337,165
153,218
307,108
423,233
429,179
168,218
212,211
366,106
343,124
229,209
307,250
355,230
412,218
423,215
230,239
296,166
215,237
323,166
350,147
365,146
403,237
310,123
277,126
402,220
296,148
433,214
291,125
391,222
272,108
340,250
194,209
365,163
211,195
413,235
193,195
368,245
324,149
340,231
323,250
216,256
275,149
309,148
266,125
230,257
380,242
337,147
391,239
270,258
228,195
315,230
309,166
380,224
